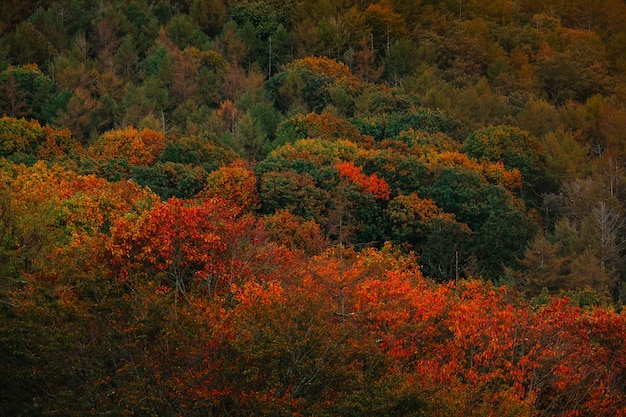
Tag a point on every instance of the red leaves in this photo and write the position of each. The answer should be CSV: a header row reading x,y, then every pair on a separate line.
x,y
185,241
372,184
262,330
202,247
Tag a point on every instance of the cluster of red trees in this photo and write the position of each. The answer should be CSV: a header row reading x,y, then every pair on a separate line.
x,y
116,301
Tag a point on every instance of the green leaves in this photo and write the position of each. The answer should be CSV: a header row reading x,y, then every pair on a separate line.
x,y
515,148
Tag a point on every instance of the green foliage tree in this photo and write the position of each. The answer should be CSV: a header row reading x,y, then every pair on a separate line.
x,y
401,61
513,147
210,15
27,92
292,191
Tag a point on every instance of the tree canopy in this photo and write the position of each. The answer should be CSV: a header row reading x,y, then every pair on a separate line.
x,y
313,208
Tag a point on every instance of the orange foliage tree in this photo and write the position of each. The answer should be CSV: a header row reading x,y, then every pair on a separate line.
x,y
324,66
294,231
59,217
235,183
314,125
138,147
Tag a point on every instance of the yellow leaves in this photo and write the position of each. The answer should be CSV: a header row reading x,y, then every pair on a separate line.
x,y
18,135
62,217
423,142
294,232
321,152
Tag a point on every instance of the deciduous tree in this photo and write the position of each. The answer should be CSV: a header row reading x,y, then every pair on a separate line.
x,y
138,147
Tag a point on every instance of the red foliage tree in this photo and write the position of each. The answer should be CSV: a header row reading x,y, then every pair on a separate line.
x,y
203,247
370,184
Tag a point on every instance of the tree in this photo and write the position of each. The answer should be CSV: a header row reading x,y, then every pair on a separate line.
x,y
513,147
567,158
295,232
436,237
138,147
369,184
236,184
209,14
200,151
386,27
401,61
292,191
18,136
431,121
607,222
191,247
186,67
545,267
27,45
27,92
501,241
311,80
231,45
324,126
334,36
166,179
184,32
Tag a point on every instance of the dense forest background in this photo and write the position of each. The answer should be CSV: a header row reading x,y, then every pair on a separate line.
x,y
294,207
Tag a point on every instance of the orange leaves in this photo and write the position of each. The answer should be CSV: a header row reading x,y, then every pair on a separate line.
x,y
138,147
228,114
494,172
325,126
369,287
324,66
60,218
235,183
294,232
407,210
254,296
57,142
372,184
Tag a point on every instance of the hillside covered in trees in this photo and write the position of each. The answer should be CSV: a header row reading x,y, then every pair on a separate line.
x,y
313,208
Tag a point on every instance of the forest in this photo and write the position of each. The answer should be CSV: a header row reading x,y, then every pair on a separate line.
x,y
313,208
